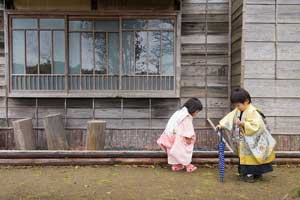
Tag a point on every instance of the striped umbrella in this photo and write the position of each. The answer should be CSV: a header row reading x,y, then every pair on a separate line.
x,y
221,148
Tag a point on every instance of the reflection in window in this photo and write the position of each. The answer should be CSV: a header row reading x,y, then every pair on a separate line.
x,y
168,53
94,49
128,53
100,52
87,53
107,25
141,52
18,52
45,52
52,23
149,47
31,52
154,52
24,23
58,52
80,25
113,53
74,53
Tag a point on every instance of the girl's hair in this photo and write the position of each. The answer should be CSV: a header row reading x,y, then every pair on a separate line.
x,y
239,95
193,105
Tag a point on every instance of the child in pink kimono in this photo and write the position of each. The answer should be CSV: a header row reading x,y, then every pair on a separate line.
x,y
179,136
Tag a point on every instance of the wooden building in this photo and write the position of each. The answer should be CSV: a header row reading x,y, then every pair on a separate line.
x,y
132,63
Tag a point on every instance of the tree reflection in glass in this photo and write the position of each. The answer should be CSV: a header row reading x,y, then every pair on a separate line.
x,y
31,52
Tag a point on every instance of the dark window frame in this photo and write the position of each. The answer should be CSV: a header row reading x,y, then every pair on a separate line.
x,y
176,16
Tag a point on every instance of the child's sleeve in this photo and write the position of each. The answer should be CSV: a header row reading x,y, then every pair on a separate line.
x,y
186,128
252,123
227,122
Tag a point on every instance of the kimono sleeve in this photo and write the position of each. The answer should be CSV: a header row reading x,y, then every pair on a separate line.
x,y
228,121
252,123
186,128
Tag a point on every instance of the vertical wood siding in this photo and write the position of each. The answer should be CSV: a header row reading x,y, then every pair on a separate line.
x,y
272,59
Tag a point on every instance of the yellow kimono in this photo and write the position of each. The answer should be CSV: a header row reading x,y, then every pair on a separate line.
x,y
253,123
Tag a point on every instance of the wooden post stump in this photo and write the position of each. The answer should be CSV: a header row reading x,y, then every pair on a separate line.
x,y
24,135
55,132
95,139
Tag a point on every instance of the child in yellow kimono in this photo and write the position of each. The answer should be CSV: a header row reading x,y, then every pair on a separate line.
x,y
245,120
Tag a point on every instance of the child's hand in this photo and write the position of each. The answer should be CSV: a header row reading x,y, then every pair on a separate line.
x,y
218,127
239,123
188,140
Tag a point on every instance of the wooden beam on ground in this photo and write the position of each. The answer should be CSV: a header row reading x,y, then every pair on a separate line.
x,y
17,154
126,161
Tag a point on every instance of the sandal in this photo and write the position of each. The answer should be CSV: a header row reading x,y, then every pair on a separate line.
x,y
177,167
190,168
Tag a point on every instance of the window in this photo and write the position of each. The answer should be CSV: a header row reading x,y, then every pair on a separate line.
x,y
73,54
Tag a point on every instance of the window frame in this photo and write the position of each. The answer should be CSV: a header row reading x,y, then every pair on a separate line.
x,y
68,16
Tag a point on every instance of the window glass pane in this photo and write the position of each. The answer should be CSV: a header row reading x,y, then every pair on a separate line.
x,y
107,25
128,52
113,53
31,52
154,24
141,52
45,52
100,49
80,25
52,23
24,23
134,24
154,52
168,53
18,52
74,53
59,52
167,24
87,53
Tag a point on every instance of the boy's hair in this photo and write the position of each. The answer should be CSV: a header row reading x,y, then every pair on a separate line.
x,y
193,105
239,95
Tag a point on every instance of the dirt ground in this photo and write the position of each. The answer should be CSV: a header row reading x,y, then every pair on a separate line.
x,y
142,182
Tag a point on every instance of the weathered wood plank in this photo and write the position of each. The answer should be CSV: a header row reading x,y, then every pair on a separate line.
x,y
289,13
199,70
288,32
260,13
201,92
24,135
190,28
260,51
203,18
201,49
259,32
200,8
288,69
95,135
107,113
288,51
273,88
259,69
201,60
260,2
200,39
55,132
278,107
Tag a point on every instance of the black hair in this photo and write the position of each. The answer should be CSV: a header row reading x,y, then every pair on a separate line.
x,y
193,105
240,95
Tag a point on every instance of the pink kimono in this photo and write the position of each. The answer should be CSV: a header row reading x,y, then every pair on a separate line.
x,y
172,140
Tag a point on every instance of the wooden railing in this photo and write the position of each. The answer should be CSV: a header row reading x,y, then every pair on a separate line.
x,y
49,82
